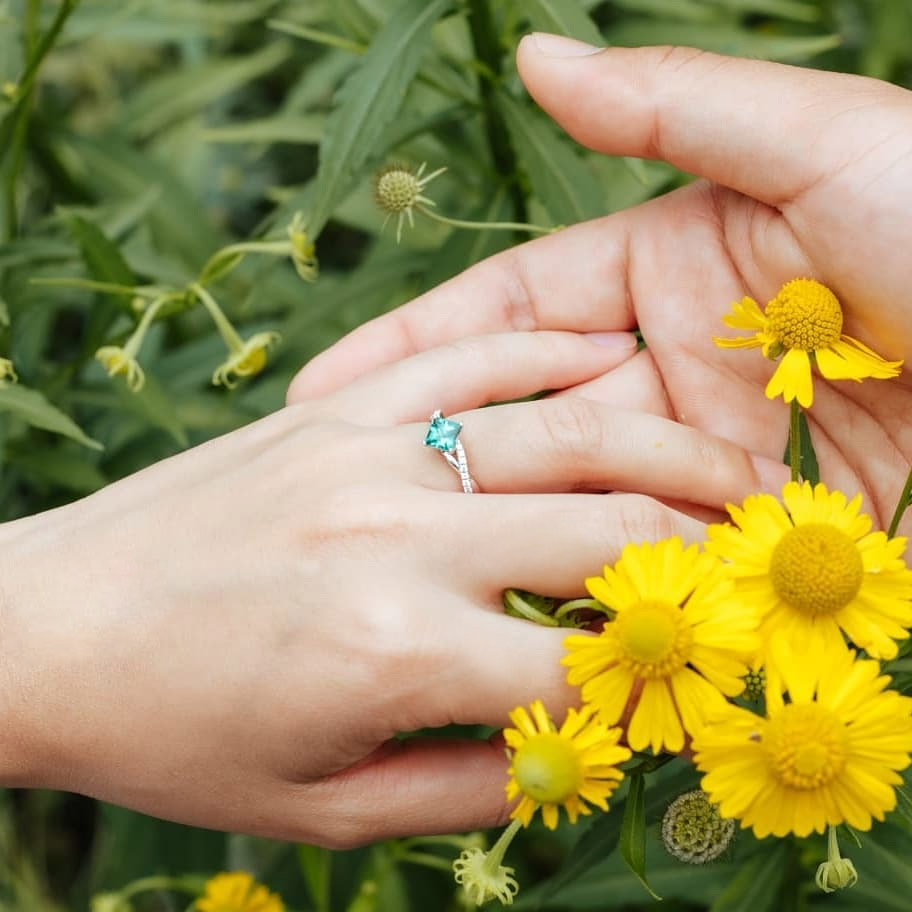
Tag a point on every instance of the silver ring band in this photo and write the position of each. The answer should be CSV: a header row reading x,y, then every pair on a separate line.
x,y
443,435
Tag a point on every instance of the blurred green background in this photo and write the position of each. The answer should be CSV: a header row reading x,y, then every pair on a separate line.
x,y
139,137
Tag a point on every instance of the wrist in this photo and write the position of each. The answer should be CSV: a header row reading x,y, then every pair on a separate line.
x,y
27,566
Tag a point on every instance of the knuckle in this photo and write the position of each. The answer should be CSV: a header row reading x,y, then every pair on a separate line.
x,y
639,518
571,428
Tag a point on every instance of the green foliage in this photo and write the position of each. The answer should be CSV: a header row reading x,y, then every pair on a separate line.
x,y
138,139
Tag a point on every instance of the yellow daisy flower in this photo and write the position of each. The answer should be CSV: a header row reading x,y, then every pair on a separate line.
x,y
829,755
811,567
569,767
675,646
804,322
237,891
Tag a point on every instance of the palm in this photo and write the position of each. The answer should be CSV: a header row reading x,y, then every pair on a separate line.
x,y
694,252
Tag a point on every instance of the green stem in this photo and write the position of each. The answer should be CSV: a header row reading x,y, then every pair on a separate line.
x,y
515,601
904,500
795,440
280,248
484,226
164,882
426,860
488,52
495,856
579,604
228,333
131,348
138,291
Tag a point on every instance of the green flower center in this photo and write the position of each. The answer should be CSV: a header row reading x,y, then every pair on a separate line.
x,y
548,768
693,831
816,568
805,314
805,745
397,190
654,637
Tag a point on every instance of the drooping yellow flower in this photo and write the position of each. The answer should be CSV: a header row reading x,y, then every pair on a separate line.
x,y
7,372
804,323
676,644
116,360
245,361
237,891
569,767
811,567
482,876
829,755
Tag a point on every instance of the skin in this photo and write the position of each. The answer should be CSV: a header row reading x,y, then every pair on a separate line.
x,y
232,637
801,173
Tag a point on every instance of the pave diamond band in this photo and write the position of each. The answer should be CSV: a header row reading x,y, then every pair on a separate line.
x,y
443,435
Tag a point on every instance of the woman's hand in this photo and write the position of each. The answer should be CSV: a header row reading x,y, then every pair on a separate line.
x,y
233,637
805,174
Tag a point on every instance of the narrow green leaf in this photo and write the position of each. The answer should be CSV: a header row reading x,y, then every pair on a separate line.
x,y
721,38
368,102
808,468
559,176
101,256
175,96
563,17
306,129
4,312
32,407
316,865
633,832
755,888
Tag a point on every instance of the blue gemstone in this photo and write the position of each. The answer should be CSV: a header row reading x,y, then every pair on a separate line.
x,y
442,434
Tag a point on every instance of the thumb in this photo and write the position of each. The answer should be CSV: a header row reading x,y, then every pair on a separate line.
x,y
765,129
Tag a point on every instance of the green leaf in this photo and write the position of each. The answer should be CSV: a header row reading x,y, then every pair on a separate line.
x,y
559,176
563,17
633,832
808,468
368,102
755,888
721,38
176,96
315,863
32,407
305,129
101,255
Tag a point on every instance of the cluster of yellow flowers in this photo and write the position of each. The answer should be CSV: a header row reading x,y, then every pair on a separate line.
x,y
794,589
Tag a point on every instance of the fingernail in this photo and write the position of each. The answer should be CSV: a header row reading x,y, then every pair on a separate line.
x,y
773,474
559,46
612,339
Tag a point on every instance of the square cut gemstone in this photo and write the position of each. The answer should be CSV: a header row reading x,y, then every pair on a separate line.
x,y
442,434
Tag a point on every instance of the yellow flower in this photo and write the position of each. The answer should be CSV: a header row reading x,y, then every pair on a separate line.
x,y
237,891
812,568
398,190
117,360
481,874
828,756
303,249
550,768
7,372
245,361
676,641
804,321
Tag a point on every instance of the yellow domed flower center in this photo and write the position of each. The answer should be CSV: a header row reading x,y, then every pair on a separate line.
x,y
548,768
816,568
654,637
805,314
805,745
397,190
